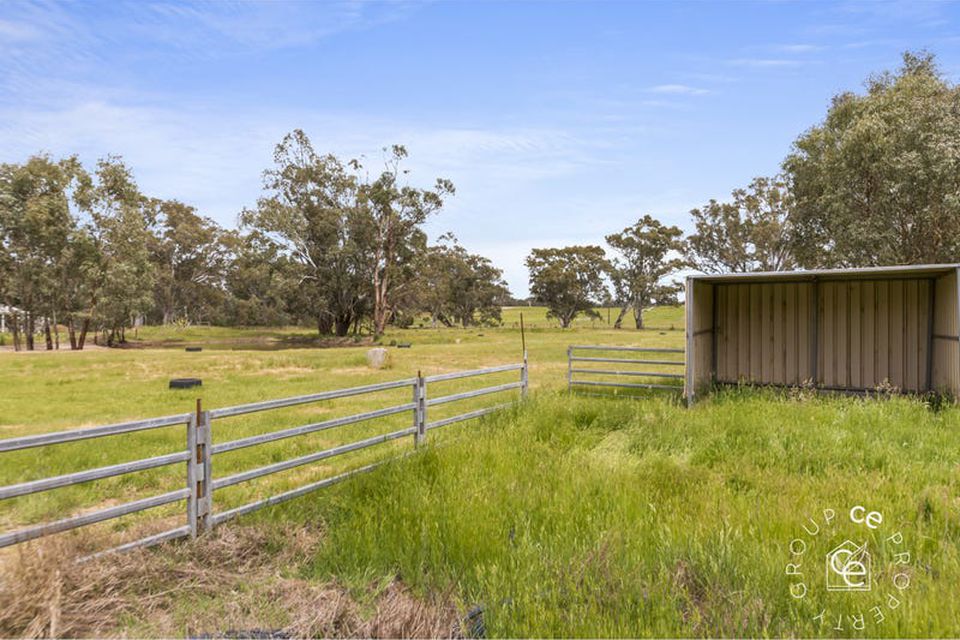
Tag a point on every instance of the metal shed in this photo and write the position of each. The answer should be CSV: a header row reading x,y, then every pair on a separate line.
x,y
840,329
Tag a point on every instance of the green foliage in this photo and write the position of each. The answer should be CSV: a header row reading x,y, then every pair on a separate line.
x,y
568,281
355,240
118,220
190,256
397,212
261,282
752,232
315,211
642,264
877,182
45,255
326,243
459,287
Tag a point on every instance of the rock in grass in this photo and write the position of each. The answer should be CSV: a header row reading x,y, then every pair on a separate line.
x,y
378,358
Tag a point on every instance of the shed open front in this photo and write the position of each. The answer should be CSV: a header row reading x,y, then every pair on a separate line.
x,y
846,330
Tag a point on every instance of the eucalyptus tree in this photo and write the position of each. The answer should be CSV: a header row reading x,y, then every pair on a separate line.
x,y
646,253
397,212
878,181
40,244
190,258
460,287
117,218
751,232
569,281
261,282
317,213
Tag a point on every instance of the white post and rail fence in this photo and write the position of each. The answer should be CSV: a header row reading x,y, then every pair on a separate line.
x,y
201,484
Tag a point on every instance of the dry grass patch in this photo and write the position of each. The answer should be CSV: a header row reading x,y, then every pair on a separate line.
x,y
235,581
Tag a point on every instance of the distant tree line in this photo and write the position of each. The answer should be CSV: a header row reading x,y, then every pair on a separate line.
x,y
339,246
876,183
327,244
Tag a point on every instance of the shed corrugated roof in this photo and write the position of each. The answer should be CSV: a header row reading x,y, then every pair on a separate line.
x,y
864,273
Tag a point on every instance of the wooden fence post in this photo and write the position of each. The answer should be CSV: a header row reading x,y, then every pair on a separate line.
x,y
420,411
198,472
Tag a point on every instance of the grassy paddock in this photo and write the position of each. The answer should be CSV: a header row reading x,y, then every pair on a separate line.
x,y
587,517
668,318
570,516
50,391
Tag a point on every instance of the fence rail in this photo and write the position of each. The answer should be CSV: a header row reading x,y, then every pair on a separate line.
x,y
200,449
574,370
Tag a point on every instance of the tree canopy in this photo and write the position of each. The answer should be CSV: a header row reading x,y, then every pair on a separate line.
x,y
569,280
458,287
646,253
751,232
878,181
326,243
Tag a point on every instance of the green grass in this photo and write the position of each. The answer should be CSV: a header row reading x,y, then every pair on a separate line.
x,y
566,517
585,517
51,391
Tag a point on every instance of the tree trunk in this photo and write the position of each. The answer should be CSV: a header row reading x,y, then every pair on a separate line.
x,y
324,324
84,328
56,332
15,329
47,334
623,312
342,324
72,333
379,316
381,310
29,331
638,315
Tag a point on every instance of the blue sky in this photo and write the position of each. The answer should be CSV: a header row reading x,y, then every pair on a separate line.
x,y
559,122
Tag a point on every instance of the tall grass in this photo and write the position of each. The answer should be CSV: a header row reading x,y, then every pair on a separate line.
x,y
565,517
50,391
590,517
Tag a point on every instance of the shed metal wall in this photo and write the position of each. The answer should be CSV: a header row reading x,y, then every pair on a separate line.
x,y
764,332
855,333
872,331
699,333
946,334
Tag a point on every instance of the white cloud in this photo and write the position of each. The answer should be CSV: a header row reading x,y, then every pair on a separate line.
x,y
262,25
764,62
800,48
678,89
11,31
